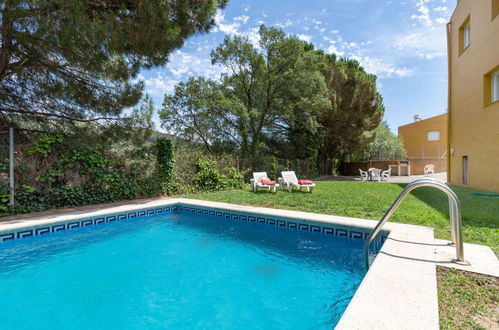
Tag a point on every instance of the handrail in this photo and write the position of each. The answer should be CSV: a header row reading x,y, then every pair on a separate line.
x,y
454,214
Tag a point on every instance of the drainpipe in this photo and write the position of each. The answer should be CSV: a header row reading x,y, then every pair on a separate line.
x,y
449,89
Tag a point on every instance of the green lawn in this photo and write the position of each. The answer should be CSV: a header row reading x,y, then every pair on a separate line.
x,y
467,300
369,200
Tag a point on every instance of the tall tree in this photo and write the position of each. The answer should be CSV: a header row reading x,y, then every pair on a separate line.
x,y
355,107
75,60
281,98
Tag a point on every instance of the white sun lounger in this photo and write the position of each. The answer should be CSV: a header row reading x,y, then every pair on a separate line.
x,y
290,180
256,182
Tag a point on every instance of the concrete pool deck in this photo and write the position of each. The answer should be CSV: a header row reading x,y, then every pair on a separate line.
x,y
398,292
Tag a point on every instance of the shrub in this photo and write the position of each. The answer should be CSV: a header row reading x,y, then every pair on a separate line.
x,y
208,178
235,179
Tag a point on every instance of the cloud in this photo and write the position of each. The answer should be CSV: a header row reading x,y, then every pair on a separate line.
x,y
382,68
304,37
427,39
332,49
423,16
227,28
158,85
182,64
441,9
422,44
284,24
242,18
440,20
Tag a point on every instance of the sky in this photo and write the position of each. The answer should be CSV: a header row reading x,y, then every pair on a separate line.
x,y
402,42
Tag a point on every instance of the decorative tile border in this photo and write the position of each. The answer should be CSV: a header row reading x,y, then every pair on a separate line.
x,y
295,224
80,223
281,222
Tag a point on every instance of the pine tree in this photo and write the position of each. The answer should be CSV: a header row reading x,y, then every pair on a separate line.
x,y
76,60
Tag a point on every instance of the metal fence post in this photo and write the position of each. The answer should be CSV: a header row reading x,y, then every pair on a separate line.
x,y
11,165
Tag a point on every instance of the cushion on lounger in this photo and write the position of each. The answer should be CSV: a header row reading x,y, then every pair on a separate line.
x,y
268,182
305,182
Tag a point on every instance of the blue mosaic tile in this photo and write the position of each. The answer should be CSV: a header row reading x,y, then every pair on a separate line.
x,y
99,220
57,228
302,226
328,231
41,231
72,225
315,229
111,218
355,234
341,232
8,236
25,233
86,223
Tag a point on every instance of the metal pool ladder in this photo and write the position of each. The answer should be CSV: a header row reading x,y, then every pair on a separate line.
x,y
454,212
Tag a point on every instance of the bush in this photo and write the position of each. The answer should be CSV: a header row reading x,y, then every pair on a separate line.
x,y
235,179
208,178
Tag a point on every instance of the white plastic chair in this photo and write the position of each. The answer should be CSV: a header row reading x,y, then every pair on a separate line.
x,y
385,175
429,169
364,175
256,182
290,180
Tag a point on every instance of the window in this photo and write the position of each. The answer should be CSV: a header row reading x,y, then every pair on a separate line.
x,y
434,136
491,87
465,170
495,86
467,35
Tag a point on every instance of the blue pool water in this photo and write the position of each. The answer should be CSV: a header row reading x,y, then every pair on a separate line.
x,y
178,271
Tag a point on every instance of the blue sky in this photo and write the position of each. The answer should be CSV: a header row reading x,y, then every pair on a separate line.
x,y
402,42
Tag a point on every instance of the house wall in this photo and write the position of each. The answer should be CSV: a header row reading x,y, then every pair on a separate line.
x,y
473,120
415,136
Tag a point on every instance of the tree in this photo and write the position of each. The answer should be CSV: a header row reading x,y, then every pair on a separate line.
x,y
282,99
355,107
74,60
188,111
384,145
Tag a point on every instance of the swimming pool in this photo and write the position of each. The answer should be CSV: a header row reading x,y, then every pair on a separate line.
x,y
179,266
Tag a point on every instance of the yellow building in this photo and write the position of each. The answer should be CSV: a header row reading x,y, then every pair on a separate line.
x,y
473,55
425,138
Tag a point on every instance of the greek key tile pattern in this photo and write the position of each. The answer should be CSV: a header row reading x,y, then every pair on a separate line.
x,y
291,224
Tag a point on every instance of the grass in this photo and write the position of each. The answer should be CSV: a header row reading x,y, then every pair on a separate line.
x,y
467,300
369,200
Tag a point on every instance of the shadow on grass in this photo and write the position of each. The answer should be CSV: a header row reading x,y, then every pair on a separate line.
x,y
477,211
